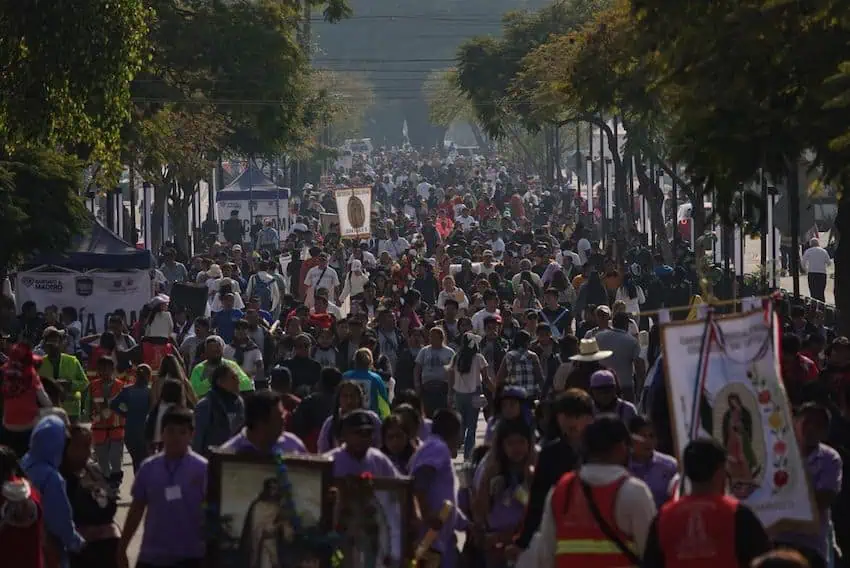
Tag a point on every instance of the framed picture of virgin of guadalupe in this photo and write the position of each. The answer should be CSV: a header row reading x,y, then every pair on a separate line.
x,y
373,516
269,512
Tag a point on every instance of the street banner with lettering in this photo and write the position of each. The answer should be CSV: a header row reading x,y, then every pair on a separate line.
x,y
723,381
354,207
95,295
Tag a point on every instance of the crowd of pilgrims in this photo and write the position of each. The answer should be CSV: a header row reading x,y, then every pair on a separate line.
x,y
475,295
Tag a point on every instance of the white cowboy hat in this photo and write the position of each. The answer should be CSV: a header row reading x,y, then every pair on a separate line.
x,y
589,351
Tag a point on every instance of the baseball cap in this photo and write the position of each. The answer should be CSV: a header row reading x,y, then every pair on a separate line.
x,y
602,379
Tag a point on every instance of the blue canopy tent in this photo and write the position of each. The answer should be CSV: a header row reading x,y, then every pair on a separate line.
x,y
97,248
255,197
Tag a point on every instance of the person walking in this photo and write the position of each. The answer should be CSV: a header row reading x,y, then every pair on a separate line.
x,y
705,528
598,517
467,381
815,261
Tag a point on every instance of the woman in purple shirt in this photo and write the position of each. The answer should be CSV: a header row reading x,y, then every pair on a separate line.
x,y
501,486
356,456
397,442
349,397
264,428
652,467
434,483
409,397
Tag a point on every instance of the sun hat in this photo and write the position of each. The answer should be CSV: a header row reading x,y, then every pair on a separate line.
x,y
589,351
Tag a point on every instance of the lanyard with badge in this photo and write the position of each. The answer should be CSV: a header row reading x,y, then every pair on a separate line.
x,y
173,492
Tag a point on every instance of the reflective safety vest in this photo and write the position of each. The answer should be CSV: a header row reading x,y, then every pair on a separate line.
x,y
581,543
698,531
105,424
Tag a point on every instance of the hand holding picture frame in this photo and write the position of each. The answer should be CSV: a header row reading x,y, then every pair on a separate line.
x,y
250,504
373,516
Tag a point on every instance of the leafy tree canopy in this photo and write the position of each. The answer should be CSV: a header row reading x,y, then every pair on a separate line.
x,y
40,204
487,66
746,80
446,102
66,72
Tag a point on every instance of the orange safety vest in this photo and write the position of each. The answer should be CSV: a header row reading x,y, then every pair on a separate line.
x,y
698,531
106,425
581,543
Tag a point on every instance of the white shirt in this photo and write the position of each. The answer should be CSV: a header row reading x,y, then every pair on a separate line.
x,y
582,247
458,295
252,361
468,383
329,280
395,248
815,260
424,190
368,259
273,289
479,317
497,245
634,509
466,222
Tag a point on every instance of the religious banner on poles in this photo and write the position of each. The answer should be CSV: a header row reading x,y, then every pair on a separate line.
x,y
354,207
723,381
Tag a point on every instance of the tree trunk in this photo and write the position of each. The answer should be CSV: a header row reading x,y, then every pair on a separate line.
x,y
182,199
842,260
654,200
480,139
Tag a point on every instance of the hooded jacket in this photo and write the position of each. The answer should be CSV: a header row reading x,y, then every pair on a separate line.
x,y
41,465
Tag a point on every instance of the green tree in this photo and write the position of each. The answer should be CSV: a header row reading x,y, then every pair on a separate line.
x,y
40,203
347,97
594,72
234,69
64,97
178,148
67,72
488,66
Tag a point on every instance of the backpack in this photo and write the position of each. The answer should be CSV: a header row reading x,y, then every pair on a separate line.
x,y
263,292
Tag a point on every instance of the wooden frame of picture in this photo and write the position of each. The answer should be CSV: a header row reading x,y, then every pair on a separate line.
x,y
240,495
395,535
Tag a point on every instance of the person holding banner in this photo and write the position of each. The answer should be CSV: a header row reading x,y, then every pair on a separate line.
x,y
705,528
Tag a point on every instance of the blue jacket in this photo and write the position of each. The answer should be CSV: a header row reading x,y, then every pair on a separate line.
x,y
133,403
41,464
219,416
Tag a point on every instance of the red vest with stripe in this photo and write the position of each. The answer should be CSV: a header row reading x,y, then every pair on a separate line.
x,y
581,543
105,424
698,531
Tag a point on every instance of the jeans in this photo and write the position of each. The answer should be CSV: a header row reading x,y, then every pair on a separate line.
x,y
465,405
435,396
817,285
110,456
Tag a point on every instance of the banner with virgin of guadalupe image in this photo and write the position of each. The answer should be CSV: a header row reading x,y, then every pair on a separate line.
x,y
723,381
354,207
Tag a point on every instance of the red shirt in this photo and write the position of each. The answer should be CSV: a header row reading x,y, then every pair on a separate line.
x,y
698,532
22,538
20,395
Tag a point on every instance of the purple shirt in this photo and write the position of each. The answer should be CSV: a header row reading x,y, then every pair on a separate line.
x,y
374,462
425,428
824,468
174,493
288,443
327,442
624,409
657,474
507,501
434,453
